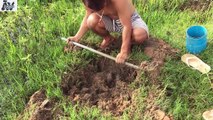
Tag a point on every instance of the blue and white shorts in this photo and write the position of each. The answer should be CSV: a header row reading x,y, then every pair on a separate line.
x,y
116,26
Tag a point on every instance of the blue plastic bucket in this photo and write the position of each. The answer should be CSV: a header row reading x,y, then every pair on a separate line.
x,y
196,39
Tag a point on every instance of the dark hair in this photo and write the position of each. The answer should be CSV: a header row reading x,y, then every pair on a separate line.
x,y
95,5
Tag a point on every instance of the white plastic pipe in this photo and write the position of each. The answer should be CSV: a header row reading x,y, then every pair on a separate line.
x,y
101,53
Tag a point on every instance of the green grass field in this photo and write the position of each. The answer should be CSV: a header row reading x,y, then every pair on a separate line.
x,y
32,57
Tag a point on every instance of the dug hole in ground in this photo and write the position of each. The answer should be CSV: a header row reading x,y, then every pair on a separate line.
x,y
106,85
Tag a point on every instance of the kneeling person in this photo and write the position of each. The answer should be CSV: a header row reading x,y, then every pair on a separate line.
x,y
105,16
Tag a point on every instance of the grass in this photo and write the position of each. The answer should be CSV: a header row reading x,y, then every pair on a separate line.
x,y
32,57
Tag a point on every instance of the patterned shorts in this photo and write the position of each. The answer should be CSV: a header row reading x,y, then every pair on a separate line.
x,y
116,26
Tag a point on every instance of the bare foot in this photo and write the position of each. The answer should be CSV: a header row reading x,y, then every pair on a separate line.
x,y
106,42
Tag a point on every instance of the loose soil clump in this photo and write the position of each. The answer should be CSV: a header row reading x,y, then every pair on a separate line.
x,y
38,107
101,83
105,84
158,51
196,5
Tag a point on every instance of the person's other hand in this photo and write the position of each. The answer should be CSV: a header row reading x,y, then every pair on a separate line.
x,y
121,57
70,47
72,38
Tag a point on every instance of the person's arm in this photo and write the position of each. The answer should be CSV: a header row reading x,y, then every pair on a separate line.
x,y
124,9
83,28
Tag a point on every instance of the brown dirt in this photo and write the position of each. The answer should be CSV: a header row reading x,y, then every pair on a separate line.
x,y
158,51
38,107
105,84
102,83
196,5
154,110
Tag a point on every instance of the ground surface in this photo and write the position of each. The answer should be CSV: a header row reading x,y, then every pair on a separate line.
x,y
106,85
83,85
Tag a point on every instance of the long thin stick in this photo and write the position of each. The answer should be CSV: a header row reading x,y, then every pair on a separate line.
x,y
101,53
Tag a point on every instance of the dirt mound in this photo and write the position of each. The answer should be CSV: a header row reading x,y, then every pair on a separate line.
x,y
105,84
102,83
38,107
196,5
158,51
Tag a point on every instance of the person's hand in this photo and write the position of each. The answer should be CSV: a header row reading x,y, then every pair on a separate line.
x,y
121,57
69,47
72,38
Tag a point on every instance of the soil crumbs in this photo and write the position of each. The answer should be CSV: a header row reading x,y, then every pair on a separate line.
x,y
39,107
197,5
102,83
105,84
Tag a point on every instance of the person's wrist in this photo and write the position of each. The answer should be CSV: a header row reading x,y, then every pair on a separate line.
x,y
76,38
124,52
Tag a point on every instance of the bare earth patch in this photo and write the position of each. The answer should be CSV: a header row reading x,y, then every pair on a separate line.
x,y
158,51
102,83
106,85
197,5
38,107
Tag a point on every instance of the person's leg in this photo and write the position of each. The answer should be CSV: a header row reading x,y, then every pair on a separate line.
x,y
97,26
140,31
139,35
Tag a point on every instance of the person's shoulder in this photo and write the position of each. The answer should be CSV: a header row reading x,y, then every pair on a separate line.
x,y
119,1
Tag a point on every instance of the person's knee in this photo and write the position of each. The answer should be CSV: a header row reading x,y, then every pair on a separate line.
x,y
139,35
92,20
